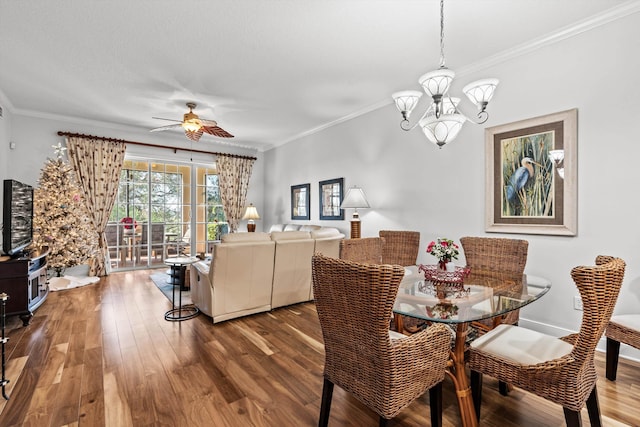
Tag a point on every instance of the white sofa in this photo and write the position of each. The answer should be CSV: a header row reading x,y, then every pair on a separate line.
x,y
255,272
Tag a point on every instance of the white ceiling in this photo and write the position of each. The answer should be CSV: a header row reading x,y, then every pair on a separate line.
x,y
267,71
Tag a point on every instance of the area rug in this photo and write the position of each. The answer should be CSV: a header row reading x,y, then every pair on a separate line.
x,y
160,280
70,282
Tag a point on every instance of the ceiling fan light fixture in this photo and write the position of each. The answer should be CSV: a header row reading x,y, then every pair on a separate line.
x,y
191,125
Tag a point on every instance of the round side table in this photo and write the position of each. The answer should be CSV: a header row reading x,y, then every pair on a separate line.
x,y
178,268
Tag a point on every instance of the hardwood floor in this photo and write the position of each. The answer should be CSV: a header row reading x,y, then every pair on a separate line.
x,y
103,355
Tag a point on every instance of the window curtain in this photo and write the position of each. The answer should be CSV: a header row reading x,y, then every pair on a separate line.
x,y
233,178
97,164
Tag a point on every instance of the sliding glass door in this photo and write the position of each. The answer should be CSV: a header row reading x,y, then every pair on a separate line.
x,y
152,217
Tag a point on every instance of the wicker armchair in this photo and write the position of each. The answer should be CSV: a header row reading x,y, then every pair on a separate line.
x,y
623,328
367,250
384,370
561,370
495,255
400,247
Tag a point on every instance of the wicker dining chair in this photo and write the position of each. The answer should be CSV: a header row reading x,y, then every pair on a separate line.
x,y
494,254
622,328
400,247
561,370
384,370
367,250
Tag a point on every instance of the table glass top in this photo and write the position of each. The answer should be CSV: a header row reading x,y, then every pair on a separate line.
x,y
482,295
180,260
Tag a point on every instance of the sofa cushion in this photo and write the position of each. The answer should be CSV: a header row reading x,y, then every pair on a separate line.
x,y
276,227
326,232
309,227
291,227
290,235
245,237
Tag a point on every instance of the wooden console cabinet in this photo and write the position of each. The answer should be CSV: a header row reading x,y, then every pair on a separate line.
x,y
25,280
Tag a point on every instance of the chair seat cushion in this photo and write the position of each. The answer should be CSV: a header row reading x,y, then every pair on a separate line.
x,y
630,321
521,345
396,335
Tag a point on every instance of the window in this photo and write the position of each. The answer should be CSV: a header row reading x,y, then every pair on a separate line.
x,y
211,223
151,218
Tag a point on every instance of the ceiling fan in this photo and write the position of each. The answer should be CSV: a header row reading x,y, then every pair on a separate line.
x,y
194,126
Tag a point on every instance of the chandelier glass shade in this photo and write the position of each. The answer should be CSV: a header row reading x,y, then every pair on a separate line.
x,y
442,121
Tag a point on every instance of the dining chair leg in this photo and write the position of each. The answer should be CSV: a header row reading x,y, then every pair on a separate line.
x,y
325,406
593,407
383,422
476,391
504,388
613,351
572,418
435,404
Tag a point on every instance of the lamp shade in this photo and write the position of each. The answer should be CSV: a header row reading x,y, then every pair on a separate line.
x,y
442,130
436,83
480,92
556,155
251,212
406,101
355,198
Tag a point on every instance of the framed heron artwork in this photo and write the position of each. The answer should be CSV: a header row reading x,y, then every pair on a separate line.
x,y
531,175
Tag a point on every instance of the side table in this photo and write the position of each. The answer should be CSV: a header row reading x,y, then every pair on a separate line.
x,y
177,273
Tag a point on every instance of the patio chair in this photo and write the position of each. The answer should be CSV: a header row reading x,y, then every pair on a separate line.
x,y
384,370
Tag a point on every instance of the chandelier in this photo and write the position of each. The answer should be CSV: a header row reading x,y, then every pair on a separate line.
x,y
442,120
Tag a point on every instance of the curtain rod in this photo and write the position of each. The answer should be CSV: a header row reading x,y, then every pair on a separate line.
x,y
175,149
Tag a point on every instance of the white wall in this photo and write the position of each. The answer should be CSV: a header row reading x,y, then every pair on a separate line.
x,y
411,184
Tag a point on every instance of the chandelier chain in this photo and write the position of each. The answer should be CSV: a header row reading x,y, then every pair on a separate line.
x,y
442,64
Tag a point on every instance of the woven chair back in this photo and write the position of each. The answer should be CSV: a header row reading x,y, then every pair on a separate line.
x,y
599,287
400,247
495,254
367,250
354,302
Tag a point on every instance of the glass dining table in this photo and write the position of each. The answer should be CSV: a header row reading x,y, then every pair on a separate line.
x,y
462,298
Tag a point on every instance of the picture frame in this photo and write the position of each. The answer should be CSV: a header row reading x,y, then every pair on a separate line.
x,y
301,201
539,195
331,196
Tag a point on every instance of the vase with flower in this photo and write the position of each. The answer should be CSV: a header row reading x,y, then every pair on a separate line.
x,y
445,250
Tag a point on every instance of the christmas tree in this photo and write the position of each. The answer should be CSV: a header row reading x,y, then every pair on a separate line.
x,y
60,218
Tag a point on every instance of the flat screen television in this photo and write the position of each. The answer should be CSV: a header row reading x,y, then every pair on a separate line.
x,y
17,217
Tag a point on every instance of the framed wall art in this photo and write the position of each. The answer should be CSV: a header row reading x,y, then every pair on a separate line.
x,y
331,198
300,201
531,175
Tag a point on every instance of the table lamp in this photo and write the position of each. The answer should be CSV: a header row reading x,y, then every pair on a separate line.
x,y
355,199
251,214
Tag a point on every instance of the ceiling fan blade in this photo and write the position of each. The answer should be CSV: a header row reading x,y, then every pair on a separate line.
x,y
216,131
168,127
209,123
169,120
194,136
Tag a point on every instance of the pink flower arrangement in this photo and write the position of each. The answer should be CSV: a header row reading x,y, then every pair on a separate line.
x,y
443,249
